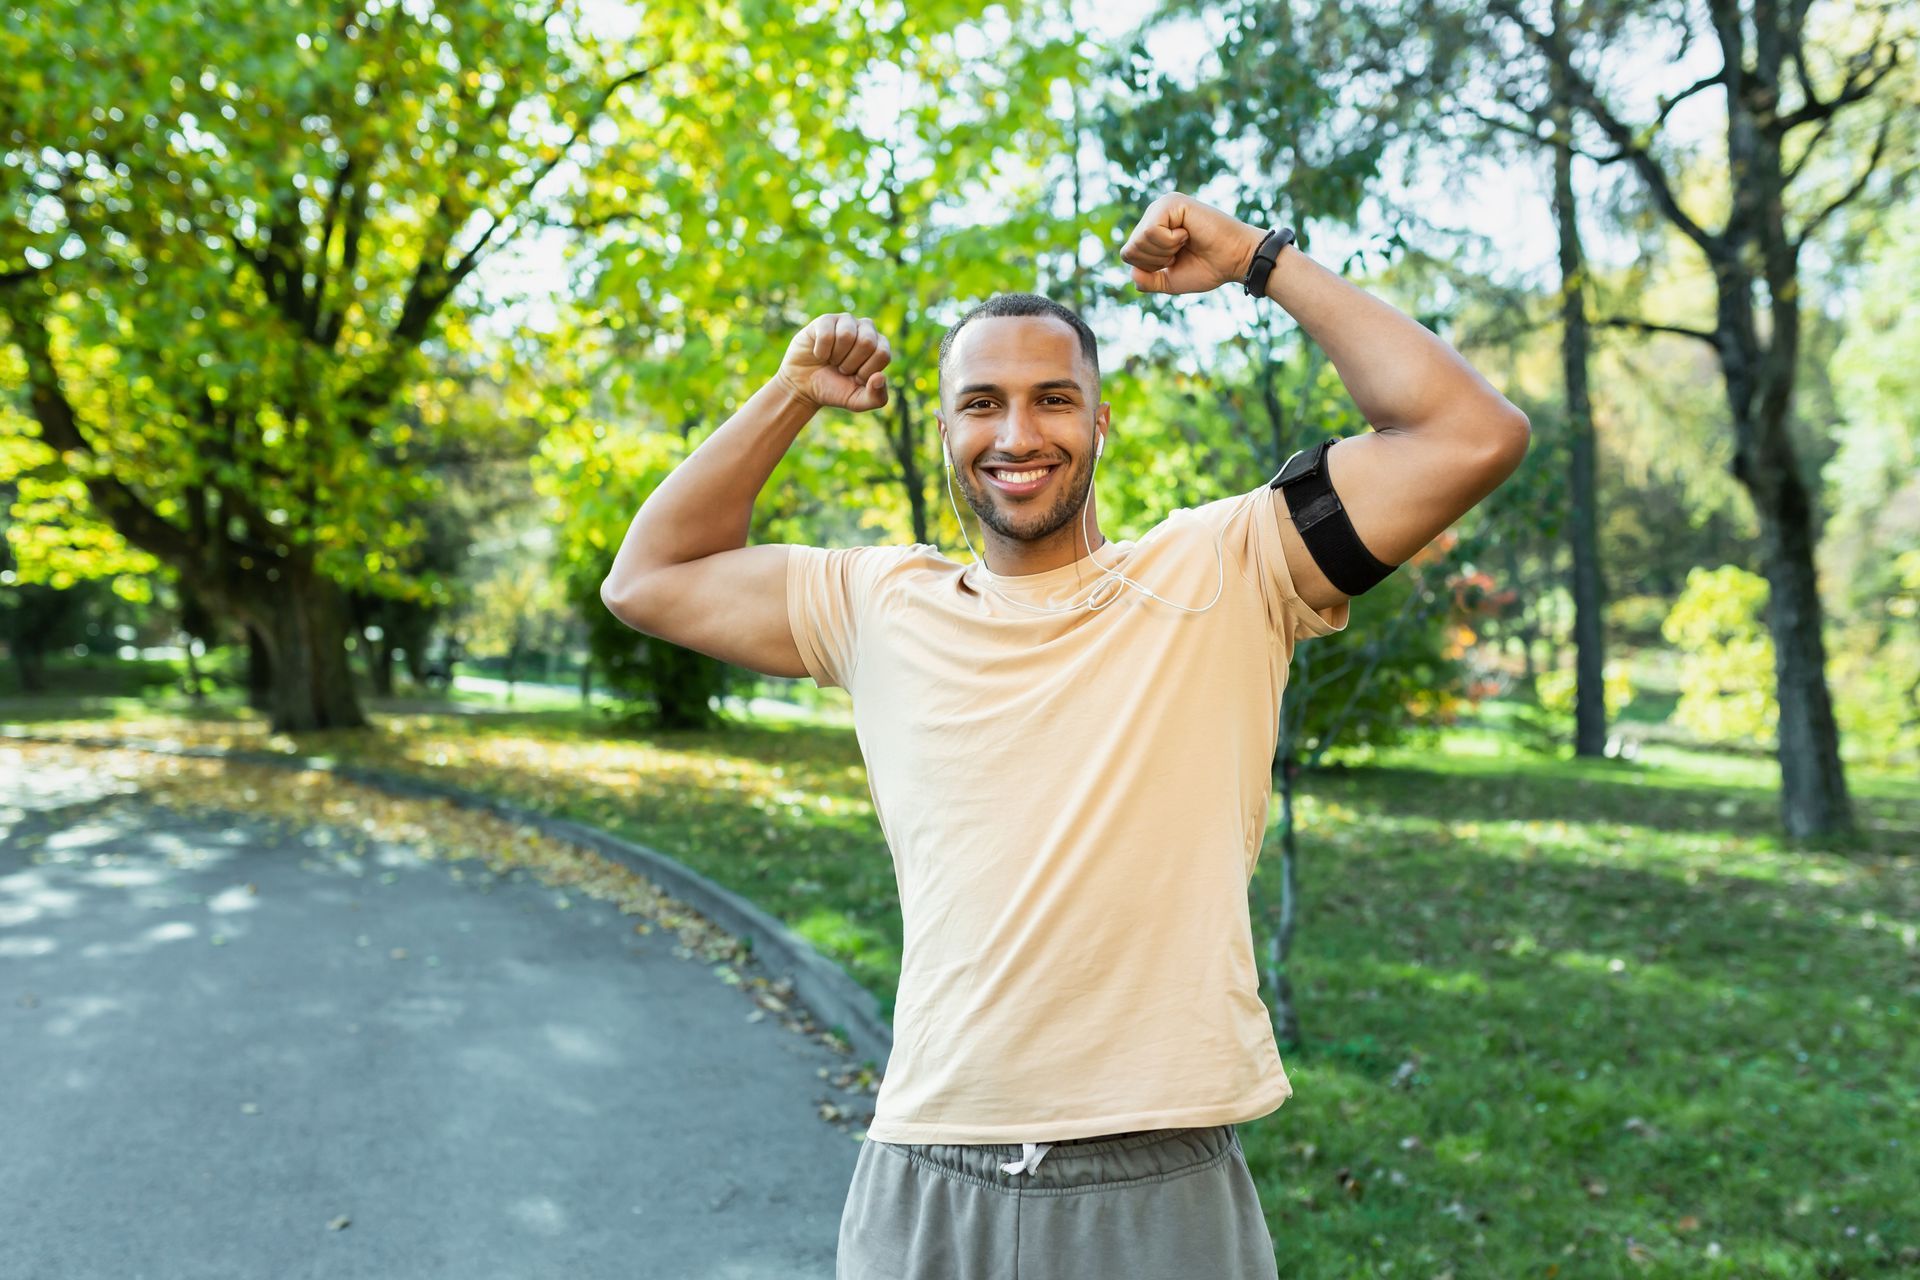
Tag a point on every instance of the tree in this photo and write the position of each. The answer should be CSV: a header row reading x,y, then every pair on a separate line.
x,y
1784,94
1545,121
518,609
1266,118
919,189
224,244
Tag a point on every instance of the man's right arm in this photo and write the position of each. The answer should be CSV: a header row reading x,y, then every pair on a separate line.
x,y
684,572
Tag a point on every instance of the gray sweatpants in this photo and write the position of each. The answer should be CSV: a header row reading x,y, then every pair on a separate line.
x,y
1158,1204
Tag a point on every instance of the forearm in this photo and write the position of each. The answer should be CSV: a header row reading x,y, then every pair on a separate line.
x,y
705,505
1400,374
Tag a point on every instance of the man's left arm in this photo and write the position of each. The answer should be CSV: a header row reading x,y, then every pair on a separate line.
x,y
1442,438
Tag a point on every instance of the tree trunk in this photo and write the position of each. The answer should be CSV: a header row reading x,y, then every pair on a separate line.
x,y
1813,784
303,620
30,665
379,663
196,687
40,614
1589,640
906,451
1760,379
1755,265
259,671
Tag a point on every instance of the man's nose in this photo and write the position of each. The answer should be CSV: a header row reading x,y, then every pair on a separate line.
x,y
1019,432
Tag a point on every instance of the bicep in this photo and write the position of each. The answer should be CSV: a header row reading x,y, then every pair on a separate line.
x,y
1401,489
731,605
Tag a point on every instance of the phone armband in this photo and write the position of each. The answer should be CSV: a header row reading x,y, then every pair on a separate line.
x,y
1324,524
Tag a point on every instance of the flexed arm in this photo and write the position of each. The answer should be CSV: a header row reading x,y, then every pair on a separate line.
x,y
1442,438
684,571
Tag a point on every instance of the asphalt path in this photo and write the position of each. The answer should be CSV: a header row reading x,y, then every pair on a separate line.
x,y
228,1051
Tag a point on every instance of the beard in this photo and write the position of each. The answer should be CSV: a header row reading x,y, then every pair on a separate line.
x,y
1030,521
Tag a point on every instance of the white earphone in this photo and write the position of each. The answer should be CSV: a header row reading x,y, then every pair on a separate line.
x,y
1108,572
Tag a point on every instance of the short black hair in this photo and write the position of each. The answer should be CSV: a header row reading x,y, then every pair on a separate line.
x,y
1024,304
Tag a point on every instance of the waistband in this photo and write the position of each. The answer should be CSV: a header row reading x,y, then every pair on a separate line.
x,y
1075,1163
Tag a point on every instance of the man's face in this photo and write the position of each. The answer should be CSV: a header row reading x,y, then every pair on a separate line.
x,y
1022,397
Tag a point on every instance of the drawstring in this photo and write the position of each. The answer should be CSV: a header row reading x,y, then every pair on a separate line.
x,y
1031,1153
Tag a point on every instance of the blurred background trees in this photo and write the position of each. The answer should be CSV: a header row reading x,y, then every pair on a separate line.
x,y
340,344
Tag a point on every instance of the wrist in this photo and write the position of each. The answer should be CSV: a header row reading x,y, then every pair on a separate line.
x,y
1253,237
791,392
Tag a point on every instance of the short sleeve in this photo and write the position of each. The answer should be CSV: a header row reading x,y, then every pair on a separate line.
x,y
1284,605
829,590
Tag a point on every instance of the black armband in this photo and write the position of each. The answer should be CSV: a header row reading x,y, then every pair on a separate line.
x,y
1324,524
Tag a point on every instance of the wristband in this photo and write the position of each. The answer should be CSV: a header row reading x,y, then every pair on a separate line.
x,y
1255,281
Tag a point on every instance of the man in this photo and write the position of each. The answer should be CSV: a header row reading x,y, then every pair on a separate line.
x,y
1068,743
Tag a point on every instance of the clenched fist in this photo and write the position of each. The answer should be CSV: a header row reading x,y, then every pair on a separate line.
x,y
1183,246
836,360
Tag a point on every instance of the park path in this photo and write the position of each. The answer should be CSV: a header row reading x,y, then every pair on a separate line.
x,y
232,1051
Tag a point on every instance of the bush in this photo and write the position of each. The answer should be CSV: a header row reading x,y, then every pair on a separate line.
x,y
1726,667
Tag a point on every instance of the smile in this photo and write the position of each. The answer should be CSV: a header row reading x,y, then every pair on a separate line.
x,y
1033,482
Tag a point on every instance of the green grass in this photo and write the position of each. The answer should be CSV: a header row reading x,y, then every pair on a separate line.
x,y
1560,1017
1612,1010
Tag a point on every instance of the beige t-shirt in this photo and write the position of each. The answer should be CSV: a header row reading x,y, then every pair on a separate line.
x,y
1074,803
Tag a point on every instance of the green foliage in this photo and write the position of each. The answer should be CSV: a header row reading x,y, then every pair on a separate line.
x,y
1542,719
1726,670
834,159
253,234
1557,689
519,608
898,165
1268,96
1876,673
663,686
597,478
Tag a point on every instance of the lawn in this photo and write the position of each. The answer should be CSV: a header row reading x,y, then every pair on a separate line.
x,y
1563,1018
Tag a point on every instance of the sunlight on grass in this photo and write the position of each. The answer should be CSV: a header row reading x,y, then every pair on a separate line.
x,y
1592,1015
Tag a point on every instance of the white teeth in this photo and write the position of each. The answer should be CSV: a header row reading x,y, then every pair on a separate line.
x,y
1022,477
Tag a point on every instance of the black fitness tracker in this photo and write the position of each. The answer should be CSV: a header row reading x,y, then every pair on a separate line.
x,y
1255,281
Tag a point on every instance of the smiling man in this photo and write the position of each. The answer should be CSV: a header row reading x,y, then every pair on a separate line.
x,y
1028,490
1068,743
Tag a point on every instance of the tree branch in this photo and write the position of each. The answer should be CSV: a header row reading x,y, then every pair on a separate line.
x,y
351,236
1524,132
1647,326
434,282
1587,97
1851,91
322,275
60,431
1793,171
1859,184
1705,82
471,258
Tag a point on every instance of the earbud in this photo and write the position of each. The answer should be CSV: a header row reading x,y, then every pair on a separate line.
x,y
1099,443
